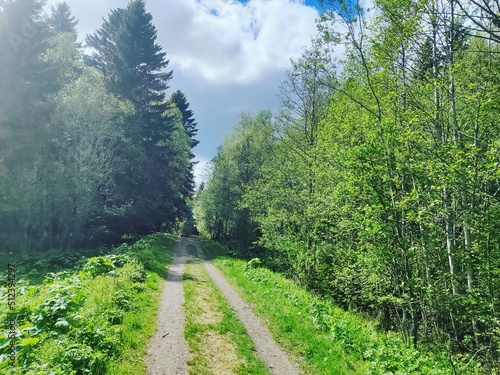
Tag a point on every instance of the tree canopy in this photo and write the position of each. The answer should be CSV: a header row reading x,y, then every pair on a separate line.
x,y
92,151
379,185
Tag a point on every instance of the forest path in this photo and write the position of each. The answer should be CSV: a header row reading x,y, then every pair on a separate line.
x,y
168,351
268,350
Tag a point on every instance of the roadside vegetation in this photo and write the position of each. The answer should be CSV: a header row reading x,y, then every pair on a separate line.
x,y
322,337
217,339
377,182
87,318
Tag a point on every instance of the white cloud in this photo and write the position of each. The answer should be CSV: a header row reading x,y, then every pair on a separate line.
x,y
225,42
227,57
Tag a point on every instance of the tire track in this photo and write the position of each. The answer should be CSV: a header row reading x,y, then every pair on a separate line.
x,y
168,352
273,356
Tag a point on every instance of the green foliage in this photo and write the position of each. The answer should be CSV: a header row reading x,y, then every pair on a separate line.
x,y
98,265
219,209
157,164
379,186
178,99
328,339
81,320
90,147
253,263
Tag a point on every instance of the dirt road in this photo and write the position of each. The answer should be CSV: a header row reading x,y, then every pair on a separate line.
x,y
168,353
167,350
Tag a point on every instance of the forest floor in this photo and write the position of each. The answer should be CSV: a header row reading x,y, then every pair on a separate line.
x,y
205,324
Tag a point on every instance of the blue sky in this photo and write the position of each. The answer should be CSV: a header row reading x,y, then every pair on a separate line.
x,y
313,3
227,57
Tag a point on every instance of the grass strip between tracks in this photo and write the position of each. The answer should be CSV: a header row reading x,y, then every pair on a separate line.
x,y
217,339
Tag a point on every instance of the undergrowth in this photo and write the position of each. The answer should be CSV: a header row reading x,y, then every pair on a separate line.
x,y
88,319
323,338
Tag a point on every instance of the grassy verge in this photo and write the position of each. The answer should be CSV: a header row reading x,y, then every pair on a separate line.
x,y
217,339
323,338
88,319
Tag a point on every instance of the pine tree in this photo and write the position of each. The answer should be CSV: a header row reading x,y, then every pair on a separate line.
x,y
23,73
65,52
25,89
179,99
125,50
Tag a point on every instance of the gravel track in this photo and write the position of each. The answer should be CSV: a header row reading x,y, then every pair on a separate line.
x,y
168,351
275,359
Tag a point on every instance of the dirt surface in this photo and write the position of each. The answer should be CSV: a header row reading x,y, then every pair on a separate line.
x,y
275,359
167,350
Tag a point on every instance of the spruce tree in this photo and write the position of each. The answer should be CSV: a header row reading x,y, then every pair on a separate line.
x,y
179,100
25,89
125,50
65,52
23,73
127,53
62,21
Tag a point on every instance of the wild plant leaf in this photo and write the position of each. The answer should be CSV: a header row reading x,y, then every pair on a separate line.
x,y
61,323
4,361
30,341
26,326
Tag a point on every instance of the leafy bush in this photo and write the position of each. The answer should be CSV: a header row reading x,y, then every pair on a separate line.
x,y
73,322
98,266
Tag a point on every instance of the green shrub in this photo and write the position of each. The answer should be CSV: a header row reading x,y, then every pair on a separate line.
x,y
83,320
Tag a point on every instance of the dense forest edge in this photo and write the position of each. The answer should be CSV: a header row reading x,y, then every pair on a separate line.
x,y
377,183
92,150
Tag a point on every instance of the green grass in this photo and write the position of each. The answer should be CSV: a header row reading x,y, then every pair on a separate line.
x,y
321,337
89,319
136,330
216,337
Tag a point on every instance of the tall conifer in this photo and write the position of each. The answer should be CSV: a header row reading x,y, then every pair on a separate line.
x,y
127,53
125,50
179,99
62,21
